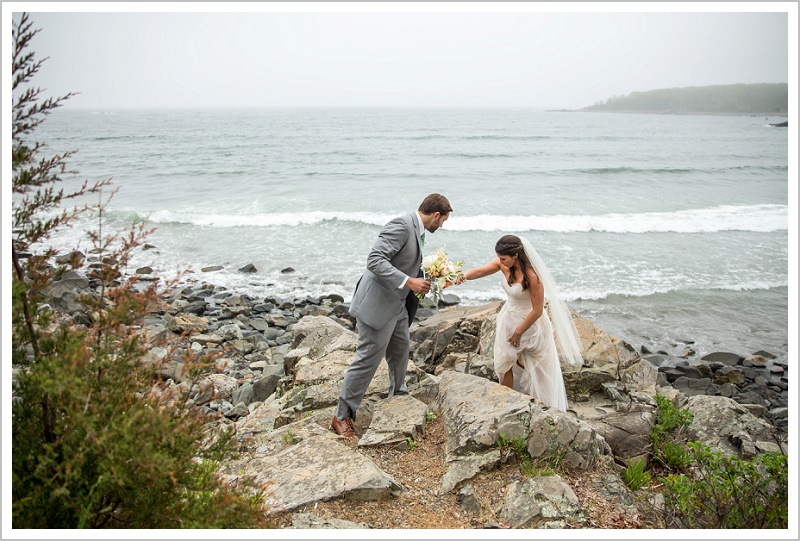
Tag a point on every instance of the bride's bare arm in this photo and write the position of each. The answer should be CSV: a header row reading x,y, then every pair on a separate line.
x,y
479,272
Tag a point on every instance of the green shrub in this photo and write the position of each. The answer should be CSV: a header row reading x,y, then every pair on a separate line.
x,y
528,466
727,492
97,440
520,446
670,417
668,435
710,490
503,443
673,455
94,448
635,475
537,468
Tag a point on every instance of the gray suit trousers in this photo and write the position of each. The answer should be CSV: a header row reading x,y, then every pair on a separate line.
x,y
391,341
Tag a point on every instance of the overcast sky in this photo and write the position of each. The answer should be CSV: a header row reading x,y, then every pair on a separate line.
x,y
525,58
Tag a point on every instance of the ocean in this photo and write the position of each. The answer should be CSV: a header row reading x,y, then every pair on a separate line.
x,y
661,229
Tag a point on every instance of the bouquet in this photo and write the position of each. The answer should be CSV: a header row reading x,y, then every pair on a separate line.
x,y
440,271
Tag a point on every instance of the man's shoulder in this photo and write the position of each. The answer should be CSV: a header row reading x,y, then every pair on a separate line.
x,y
405,220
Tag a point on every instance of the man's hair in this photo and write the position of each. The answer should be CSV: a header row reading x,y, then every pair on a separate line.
x,y
435,203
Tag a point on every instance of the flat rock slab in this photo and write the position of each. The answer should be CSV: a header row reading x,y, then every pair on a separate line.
x,y
318,468
462,468
724,357
394,420
331,367
309,521
593,409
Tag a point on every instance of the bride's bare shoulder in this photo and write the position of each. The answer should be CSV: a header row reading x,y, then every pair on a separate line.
x,y
533,278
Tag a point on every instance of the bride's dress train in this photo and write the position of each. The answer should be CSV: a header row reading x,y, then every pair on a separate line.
x,y
541,377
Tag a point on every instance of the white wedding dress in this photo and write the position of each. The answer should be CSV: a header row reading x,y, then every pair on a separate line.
x,y
541,377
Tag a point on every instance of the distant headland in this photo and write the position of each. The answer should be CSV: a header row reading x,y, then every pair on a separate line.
x,y
756,99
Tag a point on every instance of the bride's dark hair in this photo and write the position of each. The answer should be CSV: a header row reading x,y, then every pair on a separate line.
x,y
511,245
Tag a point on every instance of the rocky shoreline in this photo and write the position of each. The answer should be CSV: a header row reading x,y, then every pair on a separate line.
x,y
280,368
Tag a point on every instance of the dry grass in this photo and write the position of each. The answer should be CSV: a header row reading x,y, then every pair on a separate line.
x,y
419,470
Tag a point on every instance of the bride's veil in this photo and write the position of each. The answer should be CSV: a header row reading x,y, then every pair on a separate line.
x,y
566,333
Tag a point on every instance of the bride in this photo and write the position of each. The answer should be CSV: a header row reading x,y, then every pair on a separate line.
x,y
525,354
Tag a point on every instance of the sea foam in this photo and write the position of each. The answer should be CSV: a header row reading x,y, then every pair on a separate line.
x,y
754,218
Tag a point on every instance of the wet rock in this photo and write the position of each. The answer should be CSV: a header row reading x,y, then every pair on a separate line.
x,y
727,358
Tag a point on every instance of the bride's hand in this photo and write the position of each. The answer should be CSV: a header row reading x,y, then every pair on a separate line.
x,y
515,338
461,279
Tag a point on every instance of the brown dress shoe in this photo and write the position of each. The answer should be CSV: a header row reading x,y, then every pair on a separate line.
x,y
344,428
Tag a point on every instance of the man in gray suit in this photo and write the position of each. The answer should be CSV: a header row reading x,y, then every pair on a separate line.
x,y
384,305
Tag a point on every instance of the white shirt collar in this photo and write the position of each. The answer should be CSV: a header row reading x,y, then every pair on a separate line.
x,y
421,225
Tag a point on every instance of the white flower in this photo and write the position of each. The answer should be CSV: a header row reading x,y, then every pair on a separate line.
x,y
428,260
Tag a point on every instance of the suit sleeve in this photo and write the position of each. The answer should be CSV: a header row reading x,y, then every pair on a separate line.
x,y
391,239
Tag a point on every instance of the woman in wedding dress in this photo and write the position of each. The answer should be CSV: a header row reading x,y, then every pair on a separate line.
x,y
525,354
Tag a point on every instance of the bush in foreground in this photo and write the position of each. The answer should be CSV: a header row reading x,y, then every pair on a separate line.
x,y
96,441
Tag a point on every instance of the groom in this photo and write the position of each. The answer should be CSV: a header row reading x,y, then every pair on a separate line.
x,y
384,305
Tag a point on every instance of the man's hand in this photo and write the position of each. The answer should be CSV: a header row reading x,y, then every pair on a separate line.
x,y
419,285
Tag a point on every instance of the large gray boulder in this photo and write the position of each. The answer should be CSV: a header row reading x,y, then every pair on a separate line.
x,y
310,521
463,468
478,411
726,426
607,359
187,323
452,330
627,433
555,434
321,336
303,463
69,282
544,502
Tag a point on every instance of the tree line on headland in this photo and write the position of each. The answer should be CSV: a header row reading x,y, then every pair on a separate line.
x,y
762,98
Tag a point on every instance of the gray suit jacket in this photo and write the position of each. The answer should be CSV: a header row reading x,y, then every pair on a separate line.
x,y
378,298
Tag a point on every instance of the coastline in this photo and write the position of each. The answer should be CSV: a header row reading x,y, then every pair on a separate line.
x,y
640,323
684,337
760,376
